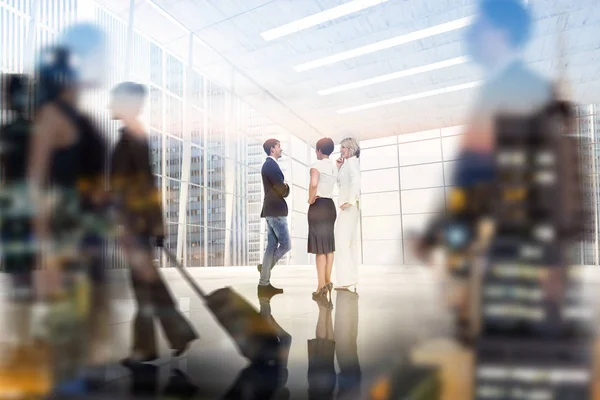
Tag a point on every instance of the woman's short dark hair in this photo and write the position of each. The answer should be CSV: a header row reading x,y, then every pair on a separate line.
x,y
511,16
326,146
269,144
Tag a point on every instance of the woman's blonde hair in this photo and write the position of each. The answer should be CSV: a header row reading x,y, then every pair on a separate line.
x,y
352,145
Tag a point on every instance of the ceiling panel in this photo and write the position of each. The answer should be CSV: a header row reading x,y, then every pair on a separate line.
x,y
262,72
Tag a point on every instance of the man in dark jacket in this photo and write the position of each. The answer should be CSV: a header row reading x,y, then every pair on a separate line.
x,y
140,212
275,212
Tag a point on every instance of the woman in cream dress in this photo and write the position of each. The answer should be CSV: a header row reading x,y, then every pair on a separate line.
x,y
346,228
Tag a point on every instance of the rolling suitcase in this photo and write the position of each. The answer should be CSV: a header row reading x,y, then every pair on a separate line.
x,y
255,337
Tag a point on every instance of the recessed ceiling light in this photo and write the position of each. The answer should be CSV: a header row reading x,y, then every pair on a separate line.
x,y
394,75
319,18
409,97
386,44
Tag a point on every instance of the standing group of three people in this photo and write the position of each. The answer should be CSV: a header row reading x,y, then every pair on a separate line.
x,y
331,230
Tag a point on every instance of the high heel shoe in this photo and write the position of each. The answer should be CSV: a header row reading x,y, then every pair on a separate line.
x,y
320,292
330,286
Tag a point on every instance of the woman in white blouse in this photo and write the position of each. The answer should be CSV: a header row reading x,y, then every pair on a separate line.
x,y
322,214
346,228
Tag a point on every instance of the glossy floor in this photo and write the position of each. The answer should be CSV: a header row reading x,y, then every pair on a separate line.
x,y
394,309
395,318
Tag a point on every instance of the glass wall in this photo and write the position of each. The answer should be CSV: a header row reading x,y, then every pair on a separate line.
x,y
406,179
206,152
206,144
588,126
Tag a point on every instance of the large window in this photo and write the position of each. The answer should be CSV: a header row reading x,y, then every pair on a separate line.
x,y
406,181
206,152
205,144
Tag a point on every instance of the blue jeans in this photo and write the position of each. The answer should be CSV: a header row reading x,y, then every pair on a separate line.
x,y
278,244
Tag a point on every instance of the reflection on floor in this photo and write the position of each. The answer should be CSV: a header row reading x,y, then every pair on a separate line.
x,y
340,348
395,309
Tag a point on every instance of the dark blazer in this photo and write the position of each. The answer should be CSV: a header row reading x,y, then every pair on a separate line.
x,y
276,190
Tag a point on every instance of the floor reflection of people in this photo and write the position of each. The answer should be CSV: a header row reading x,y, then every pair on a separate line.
x,y
144,380
321,352
346,347
145,383
285,339
260,381
180,386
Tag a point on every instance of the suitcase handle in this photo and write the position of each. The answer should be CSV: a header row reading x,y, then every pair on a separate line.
x,y
186,275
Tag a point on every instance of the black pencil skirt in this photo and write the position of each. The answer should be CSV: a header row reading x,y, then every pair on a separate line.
x,y
321,222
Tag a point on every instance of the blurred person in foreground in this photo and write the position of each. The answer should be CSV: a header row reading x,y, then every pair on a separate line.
x,y
66,167
18,255
495,41
140,216
87,42
24,367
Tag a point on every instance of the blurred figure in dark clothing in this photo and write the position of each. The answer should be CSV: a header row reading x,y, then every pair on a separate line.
x,y
87,58
66,167
180,386
144,380
145,383
26,354
258,382
496,39
141,217
18,255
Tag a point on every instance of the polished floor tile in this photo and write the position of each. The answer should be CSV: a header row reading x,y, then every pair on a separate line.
x,y
396,318
394,310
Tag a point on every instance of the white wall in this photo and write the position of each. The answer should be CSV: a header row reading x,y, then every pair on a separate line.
x,y
404,184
